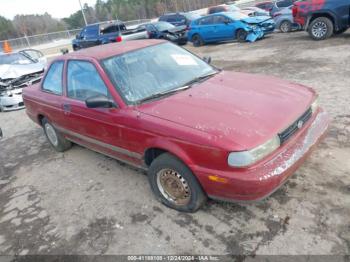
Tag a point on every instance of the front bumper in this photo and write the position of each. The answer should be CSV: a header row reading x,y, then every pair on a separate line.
x,y
261,180
12,101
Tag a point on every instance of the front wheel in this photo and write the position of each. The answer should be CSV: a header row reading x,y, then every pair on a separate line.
x,y
56,139
197,40
241,35
321,28
174,184
286,26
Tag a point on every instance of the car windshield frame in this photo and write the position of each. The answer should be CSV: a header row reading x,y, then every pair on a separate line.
x,y
213,70
31,61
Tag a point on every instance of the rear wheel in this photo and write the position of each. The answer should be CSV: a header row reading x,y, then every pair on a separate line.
x,y
197,40
56,139
321,28
241,35
286,26
174,184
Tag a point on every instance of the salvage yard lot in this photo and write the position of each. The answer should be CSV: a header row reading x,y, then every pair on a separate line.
x,y
81,202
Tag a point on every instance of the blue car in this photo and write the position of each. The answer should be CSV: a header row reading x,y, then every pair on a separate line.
x,y
228,26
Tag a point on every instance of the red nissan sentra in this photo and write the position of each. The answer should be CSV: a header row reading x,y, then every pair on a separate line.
x,y
199,131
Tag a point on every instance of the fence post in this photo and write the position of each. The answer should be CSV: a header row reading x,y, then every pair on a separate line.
x,y
27,39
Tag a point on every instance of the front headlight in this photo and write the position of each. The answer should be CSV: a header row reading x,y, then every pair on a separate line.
x,y
247,158
314,106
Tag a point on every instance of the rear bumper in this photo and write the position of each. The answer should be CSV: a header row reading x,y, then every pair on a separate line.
x,y
260,181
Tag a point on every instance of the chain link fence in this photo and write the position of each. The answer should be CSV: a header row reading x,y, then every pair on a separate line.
x,y
48,40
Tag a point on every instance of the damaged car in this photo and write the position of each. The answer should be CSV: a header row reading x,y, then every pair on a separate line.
x,y
17,71
167,31
229,26
200,132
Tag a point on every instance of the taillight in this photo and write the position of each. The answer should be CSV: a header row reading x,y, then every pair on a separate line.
x,y
119,38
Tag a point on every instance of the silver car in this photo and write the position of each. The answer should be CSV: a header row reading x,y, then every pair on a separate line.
x,y
18,70
284,20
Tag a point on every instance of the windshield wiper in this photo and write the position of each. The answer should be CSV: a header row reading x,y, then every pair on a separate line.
x,y
184,87
160,94
201,78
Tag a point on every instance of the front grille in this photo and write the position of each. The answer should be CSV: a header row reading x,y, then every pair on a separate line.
x,y
293,128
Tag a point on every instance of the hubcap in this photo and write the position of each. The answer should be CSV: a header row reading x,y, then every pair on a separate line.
x,y
51,134
284,27
173,187
319,29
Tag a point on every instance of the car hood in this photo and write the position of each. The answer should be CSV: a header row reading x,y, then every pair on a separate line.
x,y
15,71
237,109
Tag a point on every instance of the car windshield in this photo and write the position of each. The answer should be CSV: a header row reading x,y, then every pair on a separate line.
x,y
153,70
14,59
163,26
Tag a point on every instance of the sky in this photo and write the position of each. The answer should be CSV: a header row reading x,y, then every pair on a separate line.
x,y
56,8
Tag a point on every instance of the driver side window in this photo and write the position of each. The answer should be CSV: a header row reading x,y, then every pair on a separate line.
x,y
83,81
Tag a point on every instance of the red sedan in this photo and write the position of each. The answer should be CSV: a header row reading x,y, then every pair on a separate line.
x,y
199,131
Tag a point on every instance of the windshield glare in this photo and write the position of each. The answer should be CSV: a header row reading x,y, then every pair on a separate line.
x,y
14,59
142,73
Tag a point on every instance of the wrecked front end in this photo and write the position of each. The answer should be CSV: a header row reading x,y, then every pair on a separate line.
x,y
11,90
177,35
258,27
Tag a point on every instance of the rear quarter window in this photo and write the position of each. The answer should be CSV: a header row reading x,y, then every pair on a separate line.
x,y
53,79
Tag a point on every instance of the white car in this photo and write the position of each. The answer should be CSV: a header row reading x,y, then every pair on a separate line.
x,y
18,70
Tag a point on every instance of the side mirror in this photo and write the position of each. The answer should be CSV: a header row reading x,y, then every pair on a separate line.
x,y
99,101
207,59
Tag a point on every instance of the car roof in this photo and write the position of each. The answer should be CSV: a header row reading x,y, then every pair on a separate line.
x,y
113,49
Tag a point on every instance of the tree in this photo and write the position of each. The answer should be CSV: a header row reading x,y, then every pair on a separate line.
x,y
7,29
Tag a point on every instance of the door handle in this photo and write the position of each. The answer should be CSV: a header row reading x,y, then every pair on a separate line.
x,y
66,109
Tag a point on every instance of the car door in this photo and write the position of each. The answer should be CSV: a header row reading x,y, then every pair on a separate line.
x,y
222,28
206,28
96,128
52,94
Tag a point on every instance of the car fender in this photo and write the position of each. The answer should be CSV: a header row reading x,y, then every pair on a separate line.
x,y
171,147
327,12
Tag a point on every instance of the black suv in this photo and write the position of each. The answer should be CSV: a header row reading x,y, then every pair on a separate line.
x,y
178,19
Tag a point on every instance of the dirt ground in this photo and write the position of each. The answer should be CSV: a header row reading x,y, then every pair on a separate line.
x,y
81,202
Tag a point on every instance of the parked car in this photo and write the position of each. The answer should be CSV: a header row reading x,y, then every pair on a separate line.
x,y
198,131
280,4
167,31
228,26
267,6
179,19
17,71
284,20
105,33
231,8
322,19
254,11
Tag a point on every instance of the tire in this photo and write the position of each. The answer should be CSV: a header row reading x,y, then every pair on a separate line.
x,y
55,138
241,35
197,40
167,170
285,26
75,48
321,28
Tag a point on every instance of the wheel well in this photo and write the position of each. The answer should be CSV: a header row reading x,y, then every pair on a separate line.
x,y
40,119
153,153
317,15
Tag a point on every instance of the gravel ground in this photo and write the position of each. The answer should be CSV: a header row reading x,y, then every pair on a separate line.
x,y
81,202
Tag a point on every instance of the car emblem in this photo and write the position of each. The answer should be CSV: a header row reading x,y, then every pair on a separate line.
x,y
300,124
